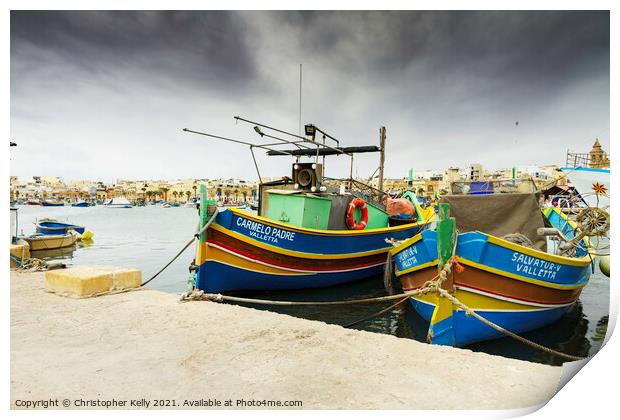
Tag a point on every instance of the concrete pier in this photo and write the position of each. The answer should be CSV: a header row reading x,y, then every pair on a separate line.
x,y
143,346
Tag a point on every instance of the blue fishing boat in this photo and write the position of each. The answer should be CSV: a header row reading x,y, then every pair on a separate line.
x,y
310,231
80,204
57,228
515,266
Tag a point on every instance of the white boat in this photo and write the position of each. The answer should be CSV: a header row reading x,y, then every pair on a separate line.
x,y
589,174
118,203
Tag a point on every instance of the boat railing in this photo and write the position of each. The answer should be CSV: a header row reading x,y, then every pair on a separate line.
x,y
358,189
583,160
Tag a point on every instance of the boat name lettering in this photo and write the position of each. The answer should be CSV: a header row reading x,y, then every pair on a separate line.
x,y
535,266
264,232
408,257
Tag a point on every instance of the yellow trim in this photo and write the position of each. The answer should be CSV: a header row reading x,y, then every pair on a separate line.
x,y
579,262
325,232
278,250
405,244
417,267
517,276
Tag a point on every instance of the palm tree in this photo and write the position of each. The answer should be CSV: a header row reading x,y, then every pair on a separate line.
x,y
175,194
188,194
195,187
164,191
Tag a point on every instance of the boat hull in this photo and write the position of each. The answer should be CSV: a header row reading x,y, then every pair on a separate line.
x,y
517,288
243,251
58,228
46,242
52,204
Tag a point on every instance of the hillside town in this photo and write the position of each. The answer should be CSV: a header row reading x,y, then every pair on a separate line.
x,y
426,184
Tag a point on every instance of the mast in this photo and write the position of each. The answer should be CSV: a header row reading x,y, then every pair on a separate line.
x,y
382,156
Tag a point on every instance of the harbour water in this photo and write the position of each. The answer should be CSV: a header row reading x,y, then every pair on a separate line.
x,y
148,237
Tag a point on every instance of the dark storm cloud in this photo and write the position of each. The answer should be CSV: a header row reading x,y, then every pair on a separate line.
x,y
542,44
456,80
206,47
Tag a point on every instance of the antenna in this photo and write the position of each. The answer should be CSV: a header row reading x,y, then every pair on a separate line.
x,y
300,74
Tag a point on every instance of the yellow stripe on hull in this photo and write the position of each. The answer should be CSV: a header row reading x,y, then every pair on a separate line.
x,y
219,255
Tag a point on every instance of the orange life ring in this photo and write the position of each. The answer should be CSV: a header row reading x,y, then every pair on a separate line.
x,y
357,202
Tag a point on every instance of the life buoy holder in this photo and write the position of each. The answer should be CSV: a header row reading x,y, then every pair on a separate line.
x,y
357,202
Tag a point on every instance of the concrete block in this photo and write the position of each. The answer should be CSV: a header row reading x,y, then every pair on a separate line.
x,y
87,281
20,251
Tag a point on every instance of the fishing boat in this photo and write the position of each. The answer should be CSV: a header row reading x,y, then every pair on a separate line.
x,y
516,266
54,227
166,205
118,203
80,204
32,202
44,242
50,203
310,231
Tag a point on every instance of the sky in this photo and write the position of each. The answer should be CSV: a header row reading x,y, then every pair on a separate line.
x,y
105,95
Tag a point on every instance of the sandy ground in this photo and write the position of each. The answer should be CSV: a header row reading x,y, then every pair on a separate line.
x,y
147,345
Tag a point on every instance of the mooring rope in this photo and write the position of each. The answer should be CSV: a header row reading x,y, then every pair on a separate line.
x,y
444,293
187,245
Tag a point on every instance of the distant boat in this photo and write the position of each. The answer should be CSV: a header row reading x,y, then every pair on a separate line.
x,y
118,203
175,205
80,204
53,227
40,242
32,202
166,206
52,203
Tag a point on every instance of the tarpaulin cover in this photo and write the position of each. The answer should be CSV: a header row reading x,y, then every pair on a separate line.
x,y
498,215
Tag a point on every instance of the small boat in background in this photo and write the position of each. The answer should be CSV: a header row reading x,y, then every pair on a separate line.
x,y
39,242
50,203
166,205
32,202
175,205
118,203
54,227
80,204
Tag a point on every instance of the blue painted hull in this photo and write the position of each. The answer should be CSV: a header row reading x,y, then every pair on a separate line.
x,y
58,228
223,277
243,251
461,330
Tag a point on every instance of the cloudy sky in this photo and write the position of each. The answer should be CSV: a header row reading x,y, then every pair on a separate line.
x,y
105,95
